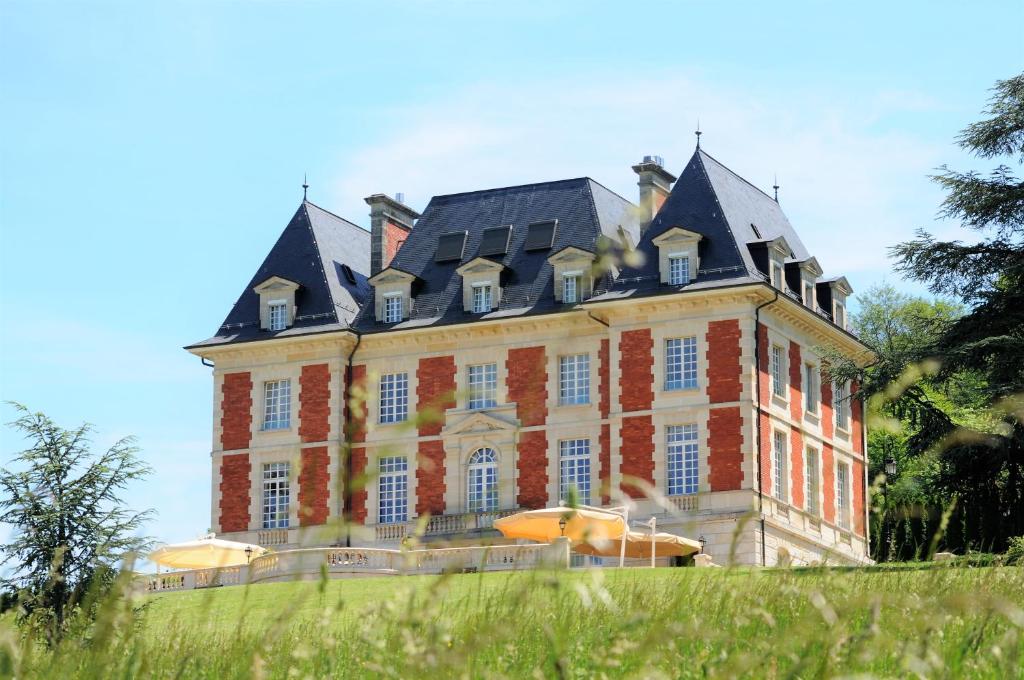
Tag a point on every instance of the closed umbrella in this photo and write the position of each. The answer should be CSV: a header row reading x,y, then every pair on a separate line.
x,y
205,553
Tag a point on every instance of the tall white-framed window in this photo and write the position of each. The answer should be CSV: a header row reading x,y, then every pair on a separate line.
x,y
574,379
483,386
277,404
483,481
683,463
481,298
394,397
812,391
393,490
276,495
571,287
574,469
278,314
778,370
843,494
841,405
678,269
813,478
779,456
392,307
681,363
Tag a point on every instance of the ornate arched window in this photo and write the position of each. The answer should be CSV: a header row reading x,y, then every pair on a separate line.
x,y
483,480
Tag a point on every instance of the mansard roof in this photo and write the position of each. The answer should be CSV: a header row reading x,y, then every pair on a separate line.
x,y
728,211
313,251
588,216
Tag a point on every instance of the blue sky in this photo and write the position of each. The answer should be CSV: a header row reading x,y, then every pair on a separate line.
x,y
150,154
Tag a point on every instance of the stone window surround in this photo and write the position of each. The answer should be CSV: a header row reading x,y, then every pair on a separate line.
x,y
557,434
776,338
457,450
573,261
815,364
374,370
261,457
787,474
373,456
277,289
677,241
476,357
389,282
480,271
689,415
810,450
683,328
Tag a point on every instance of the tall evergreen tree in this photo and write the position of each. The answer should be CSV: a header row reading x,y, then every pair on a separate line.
x,y
71,527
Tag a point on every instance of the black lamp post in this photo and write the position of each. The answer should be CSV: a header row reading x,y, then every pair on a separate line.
x,y
248,553
703,541
561,524
890,471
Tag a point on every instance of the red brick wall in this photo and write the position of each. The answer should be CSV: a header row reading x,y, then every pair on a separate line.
x,y
858,497
528,384
234,492
604,459
604,384
796,394
314,479
766,454
827,421
723,355
357,485
314,403
236,406
796,466
725,448
765,393
636,366
435,392
355,404
430,484
857,418
637,434
533,469
394,236
828,483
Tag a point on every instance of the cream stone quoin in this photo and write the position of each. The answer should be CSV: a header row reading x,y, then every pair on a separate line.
x,y
577,396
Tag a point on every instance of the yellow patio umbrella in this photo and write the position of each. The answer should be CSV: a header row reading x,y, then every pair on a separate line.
x,y
639,544
206,552
576,524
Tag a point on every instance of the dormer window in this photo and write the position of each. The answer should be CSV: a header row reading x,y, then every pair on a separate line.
x,y
839,315
278,315
481,298
809,294
277,303
777,277
481,285
573,282
392,289
678,269
678,258
571,287
392,308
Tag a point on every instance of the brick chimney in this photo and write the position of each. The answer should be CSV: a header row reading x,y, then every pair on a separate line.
x,y
655,183
390,223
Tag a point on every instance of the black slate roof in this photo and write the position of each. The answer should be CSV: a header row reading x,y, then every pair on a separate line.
x,y
585,211
311,252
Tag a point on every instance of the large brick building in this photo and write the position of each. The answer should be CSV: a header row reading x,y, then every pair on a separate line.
x,y
508,345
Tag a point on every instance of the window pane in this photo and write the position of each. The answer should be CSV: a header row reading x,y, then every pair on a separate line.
x,y
481,299
842,502
574,379
681,363
574,459
393,490
812,481
840,404
678,270
483,386
278,316
277,405
810,388
683,464
777,367
779,464
394,397
570,288
276,495
393,309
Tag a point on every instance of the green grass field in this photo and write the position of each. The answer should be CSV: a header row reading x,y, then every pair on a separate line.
x,y
900,622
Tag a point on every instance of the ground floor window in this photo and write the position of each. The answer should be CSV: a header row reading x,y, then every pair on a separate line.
x,y
574,469
276,495
483,480
393,490
683,449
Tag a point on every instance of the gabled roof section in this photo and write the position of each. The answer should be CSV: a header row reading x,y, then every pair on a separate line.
x,y
587,213
313,252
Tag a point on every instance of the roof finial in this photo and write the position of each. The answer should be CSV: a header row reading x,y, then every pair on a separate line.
x,y
776,187
305,186
698,133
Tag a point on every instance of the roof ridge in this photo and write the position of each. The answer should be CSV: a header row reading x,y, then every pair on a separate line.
x,y
514,186
306,202
737,175
320,257
718,202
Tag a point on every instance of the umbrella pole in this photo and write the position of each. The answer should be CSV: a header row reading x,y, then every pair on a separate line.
x,y
654,523
622,539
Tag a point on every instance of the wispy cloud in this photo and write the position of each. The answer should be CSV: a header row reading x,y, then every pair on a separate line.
x,y
851,185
